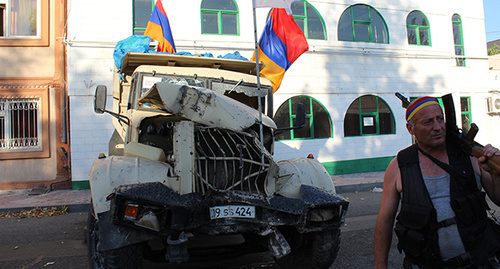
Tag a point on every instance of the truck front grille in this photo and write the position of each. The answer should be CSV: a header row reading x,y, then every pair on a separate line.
x,y
229,160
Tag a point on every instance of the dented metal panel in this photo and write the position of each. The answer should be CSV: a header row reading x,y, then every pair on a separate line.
x,y
110,172
204,106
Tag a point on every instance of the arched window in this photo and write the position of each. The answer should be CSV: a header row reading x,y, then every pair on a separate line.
x,y
309,20
368,115
219,17
362,23
318,123
417,26
458,39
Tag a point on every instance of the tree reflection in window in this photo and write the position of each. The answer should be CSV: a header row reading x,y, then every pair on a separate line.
x,y
318,123
362,23
368,115
309,20
219,17
418,29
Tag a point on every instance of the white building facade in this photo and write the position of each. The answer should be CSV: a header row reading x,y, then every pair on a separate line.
x,y
360,54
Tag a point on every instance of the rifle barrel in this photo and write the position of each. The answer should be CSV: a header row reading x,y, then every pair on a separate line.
x,y
405,102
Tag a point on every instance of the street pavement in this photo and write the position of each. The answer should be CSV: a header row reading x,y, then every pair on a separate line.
x,y
78,200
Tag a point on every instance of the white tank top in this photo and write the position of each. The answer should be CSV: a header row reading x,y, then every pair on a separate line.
x,y
450,243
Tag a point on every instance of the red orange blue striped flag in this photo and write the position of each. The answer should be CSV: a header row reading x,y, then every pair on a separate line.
x,y
280,44
158,28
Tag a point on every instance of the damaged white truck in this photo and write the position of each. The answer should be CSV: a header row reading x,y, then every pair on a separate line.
x,y
191,176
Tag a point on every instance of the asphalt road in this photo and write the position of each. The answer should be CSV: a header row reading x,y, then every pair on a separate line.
x,y
57,242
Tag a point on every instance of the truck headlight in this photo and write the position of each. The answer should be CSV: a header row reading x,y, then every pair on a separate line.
x,y
321,215
145,216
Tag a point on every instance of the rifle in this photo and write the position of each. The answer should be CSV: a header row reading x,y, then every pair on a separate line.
x,y
457,137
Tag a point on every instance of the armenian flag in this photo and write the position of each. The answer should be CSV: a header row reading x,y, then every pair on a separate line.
x,y
280,44
159,29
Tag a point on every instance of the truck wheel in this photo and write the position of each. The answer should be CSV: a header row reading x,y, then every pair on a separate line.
x,y
312,250
125,257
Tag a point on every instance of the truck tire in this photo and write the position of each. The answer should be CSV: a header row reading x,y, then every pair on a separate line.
x,y
316,250
124,257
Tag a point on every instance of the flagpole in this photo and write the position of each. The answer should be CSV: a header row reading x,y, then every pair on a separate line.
x,y
257,68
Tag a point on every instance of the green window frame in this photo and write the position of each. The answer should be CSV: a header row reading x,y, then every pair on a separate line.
x,y
458,40
418,29
142,10
362,23
369,115
318,123
465,112
309,20
220,17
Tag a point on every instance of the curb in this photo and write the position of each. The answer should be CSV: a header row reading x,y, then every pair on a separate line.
x,y
76,208
358,188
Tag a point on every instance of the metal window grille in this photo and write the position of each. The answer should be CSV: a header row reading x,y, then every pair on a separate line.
x,y
20,124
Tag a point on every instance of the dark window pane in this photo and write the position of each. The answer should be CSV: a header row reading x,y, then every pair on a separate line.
x,y
351,125
386,123
142,13
368,104
282,120
459,51
455,18
229,24
210,23
412,36
219,4
360,13
416,18
424,37
464,104
314,24
362,32
304,100
304,132
378,28
345,27
456,34
300,23
386,120
465,121
322,122
298,8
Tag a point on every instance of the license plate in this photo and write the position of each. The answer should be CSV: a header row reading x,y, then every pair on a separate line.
x,y
232,211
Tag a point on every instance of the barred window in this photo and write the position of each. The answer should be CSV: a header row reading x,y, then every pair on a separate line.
x,y
20,124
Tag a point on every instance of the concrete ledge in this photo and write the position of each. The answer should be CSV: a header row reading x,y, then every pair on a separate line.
x,y
358,187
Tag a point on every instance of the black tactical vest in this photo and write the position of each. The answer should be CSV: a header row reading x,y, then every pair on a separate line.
x,y
417,225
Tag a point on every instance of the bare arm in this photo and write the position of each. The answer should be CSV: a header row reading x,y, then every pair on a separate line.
x,y
490,179
385,220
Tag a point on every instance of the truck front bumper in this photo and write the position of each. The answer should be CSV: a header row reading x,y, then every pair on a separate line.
x,y
154,210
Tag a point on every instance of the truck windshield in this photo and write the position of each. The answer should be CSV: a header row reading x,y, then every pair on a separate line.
x,y
149,81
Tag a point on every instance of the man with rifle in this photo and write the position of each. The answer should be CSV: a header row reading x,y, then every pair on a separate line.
x,y
443,220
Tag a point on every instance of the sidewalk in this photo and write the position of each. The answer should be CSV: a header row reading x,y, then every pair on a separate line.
x,y
78,200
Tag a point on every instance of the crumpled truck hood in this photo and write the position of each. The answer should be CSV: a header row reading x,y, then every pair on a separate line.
x,y
204,106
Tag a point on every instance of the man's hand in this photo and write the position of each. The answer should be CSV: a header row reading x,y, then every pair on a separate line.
x,y
489,151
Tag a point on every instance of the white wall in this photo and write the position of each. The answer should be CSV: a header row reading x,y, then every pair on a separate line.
x,y
332,71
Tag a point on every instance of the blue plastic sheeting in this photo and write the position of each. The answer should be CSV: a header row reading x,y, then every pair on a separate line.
x,y
235,55
140,43
135,43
